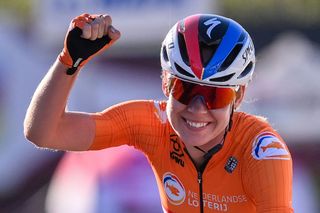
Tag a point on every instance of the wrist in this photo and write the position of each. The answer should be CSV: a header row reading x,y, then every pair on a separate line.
x,y
69,69
65,59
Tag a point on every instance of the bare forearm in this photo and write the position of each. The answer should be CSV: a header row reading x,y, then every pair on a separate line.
x,y
48,104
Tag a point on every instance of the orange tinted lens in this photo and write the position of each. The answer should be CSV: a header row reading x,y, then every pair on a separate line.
x,y
215,97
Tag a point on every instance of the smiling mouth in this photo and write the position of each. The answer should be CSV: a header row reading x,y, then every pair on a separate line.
x,y
194,124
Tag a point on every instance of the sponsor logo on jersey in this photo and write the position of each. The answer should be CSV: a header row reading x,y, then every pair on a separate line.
x,y
176,152
173,188
268,146
216,202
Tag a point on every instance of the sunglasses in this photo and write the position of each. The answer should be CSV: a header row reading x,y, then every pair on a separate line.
x,y
214,97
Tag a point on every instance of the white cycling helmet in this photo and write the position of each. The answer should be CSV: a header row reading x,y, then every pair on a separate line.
x,y
209,50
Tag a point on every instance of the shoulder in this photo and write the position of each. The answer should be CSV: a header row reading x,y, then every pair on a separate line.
x,y
133,105
245,124
257,138
134,108
244,119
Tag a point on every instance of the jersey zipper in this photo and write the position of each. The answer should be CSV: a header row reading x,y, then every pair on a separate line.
x,y
199,172
200,191
203,166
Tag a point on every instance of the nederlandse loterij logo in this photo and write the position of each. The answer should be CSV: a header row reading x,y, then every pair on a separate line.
x,y
268,146
174,189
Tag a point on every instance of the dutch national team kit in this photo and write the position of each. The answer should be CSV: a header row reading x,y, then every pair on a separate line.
x,y
251,173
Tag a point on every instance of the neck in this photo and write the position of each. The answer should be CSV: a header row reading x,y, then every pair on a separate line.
x,y
198,154
206,147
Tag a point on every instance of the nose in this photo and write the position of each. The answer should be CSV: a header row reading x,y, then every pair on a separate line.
x,y
197,105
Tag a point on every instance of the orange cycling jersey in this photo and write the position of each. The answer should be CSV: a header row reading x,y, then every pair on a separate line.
x,y
251,173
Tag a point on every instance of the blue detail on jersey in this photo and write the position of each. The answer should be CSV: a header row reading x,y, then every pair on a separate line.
x,y
168,178
228,42
256,151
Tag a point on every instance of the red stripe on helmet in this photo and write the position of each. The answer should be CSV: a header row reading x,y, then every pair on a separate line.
x,y
192,44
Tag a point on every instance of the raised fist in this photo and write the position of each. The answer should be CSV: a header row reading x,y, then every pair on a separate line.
x,y
87,36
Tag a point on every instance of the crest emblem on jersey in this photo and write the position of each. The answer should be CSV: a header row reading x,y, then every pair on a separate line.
x,y
173,188
231,164
268,146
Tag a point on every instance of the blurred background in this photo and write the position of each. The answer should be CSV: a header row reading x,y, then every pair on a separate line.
x,y
285,89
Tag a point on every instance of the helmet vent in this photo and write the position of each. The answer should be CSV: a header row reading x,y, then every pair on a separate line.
x,y
207,51
246,71
231,57
164,53
183,49
223,78
182,71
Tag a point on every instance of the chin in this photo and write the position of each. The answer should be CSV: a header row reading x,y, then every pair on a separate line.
x,y
193,140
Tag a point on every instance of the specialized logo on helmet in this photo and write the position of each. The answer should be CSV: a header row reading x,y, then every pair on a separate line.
x,y
212,24
174,189
268,146
248,53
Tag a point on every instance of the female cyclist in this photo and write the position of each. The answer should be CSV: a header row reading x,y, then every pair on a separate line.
x,y
206,156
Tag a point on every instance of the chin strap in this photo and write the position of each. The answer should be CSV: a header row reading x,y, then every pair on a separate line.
x,y
207,154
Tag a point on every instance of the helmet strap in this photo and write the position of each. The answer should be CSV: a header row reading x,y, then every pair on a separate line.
x,y
230,120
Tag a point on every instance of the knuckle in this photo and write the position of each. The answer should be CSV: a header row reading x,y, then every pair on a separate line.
x,y
93,37
86,32
108,19
102,21
95,26
86,27
101,25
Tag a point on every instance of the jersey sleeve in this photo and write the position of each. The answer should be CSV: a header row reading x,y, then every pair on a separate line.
x,y
130,123
267,174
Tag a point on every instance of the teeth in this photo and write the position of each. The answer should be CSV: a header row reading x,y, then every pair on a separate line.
x,y
196,124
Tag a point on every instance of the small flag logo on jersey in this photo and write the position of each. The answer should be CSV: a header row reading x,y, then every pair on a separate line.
x,y
231,164
268,146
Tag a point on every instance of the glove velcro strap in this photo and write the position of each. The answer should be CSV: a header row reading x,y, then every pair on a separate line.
x,y
73,69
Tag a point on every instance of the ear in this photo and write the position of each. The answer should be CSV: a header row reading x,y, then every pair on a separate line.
x,y
239,96
165,88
